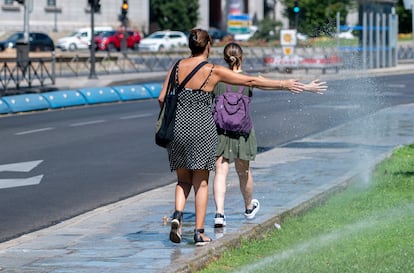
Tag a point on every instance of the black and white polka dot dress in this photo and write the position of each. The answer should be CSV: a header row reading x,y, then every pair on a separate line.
x,y
195,135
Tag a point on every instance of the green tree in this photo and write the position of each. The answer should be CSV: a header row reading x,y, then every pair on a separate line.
x,y
404,18
175,15
267,30
317,17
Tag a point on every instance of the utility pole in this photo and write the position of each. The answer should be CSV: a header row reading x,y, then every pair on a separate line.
x,y
22,46
28,8
296,10
124,23
92,72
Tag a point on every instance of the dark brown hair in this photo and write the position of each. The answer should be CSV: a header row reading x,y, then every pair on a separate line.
x,y
233,55
198,41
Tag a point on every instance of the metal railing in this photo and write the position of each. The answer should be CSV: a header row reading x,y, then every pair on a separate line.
x,y
26,73
41,71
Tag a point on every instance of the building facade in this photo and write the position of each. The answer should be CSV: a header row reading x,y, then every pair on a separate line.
x,y
67,15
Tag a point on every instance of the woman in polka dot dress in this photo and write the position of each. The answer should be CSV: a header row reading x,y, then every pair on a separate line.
x,y
192,153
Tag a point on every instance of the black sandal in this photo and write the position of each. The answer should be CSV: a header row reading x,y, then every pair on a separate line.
x,y
175,233
198,239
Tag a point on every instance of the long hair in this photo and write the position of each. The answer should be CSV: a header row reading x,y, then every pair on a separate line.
x,y
233,55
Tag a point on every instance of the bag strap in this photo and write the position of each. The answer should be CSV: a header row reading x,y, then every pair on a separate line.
x,y
172,81
228,89
208,77
189,76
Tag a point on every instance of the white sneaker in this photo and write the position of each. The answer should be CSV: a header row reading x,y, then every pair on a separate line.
x,y
219,220
251,213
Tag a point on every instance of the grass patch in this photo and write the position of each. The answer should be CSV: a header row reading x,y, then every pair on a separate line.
x,y
369,227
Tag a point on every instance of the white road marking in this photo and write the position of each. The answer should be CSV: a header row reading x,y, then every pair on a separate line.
x,y
34,131
136,116
397,85
86,123
20,167
12,183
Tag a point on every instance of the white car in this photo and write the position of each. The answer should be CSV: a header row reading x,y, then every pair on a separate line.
x,y
346,34
79,39
163,40
301,36
243,37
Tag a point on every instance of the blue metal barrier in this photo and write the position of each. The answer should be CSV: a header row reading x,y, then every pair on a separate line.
x,y
154,89
132,92
66,98
99,95
4,108
26,102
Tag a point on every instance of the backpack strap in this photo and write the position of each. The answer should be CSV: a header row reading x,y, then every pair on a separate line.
x,y
229,86
192,73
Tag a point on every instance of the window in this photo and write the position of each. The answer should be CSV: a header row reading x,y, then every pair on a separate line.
x,y
52,7
8,5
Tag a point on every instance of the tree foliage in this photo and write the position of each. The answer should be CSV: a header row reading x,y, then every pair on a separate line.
x,y
266,30
404,18
317,17
175,15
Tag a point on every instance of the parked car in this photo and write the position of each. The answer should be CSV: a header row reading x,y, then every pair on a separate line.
x,y
218,34
111,40
243,37
346,34
301,36
163,40
38,41
80,39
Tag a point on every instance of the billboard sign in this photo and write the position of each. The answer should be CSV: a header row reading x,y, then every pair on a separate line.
x,y
238,23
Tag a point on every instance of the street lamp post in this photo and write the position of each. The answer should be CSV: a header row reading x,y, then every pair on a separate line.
x,y
92,72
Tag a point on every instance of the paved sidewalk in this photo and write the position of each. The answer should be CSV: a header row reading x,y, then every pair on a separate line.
x,y
132,235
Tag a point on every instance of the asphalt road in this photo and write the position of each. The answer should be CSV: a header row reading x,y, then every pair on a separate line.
x,y
58,164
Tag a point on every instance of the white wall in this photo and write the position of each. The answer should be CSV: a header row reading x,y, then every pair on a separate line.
x,y
72,14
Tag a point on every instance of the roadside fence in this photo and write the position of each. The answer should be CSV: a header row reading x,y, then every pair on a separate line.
x,y
42,69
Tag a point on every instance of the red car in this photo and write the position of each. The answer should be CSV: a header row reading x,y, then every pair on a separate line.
x,y
111,40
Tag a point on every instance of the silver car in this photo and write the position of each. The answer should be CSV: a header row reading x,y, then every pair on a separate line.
x,y
163,40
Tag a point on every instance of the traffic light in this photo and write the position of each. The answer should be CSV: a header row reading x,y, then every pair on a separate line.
x,y
296,8
124,10
95,5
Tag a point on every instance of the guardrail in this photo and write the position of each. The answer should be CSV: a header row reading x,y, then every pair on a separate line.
x,y
42,69
26,73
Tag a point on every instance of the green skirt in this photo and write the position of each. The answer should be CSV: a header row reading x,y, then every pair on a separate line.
x,y
231,147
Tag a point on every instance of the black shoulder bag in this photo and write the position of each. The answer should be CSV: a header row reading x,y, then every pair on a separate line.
x,y
166,118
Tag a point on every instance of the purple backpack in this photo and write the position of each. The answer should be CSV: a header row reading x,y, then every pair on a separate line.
x,y
231,111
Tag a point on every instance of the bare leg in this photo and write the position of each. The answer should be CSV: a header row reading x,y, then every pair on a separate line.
x,y
183,188
245,180
219,185
200,183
